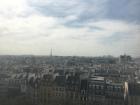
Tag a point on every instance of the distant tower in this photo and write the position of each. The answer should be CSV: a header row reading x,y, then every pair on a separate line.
x,y
51,52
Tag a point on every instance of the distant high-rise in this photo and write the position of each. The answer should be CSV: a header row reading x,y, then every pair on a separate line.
x,y
125,58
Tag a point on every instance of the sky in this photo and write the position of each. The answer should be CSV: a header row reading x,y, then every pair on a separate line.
x,y
70,27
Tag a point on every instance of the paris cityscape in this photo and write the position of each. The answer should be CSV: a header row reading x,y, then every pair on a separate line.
x,y
69,80
69,52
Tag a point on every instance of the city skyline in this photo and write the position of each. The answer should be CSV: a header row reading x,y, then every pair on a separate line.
x,y
75,27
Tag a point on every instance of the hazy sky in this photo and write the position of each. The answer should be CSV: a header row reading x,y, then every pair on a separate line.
x,y
70,27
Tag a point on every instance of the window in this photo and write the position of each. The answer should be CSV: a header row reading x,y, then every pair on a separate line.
x,y
93,86
102,87
56,89
97,86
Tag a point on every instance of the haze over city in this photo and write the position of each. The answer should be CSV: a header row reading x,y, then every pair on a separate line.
x,y
74,27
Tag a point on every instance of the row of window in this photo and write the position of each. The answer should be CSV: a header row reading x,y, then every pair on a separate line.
x,y
59,94
96,86
100,87
59,89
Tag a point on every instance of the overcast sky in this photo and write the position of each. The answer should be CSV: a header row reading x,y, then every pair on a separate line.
x,y
70,27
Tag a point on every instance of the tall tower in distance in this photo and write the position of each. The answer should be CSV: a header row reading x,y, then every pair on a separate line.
x,y
51,52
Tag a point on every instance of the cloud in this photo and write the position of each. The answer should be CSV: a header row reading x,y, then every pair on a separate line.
x,y
89,10
10,9
80,9
75,27
126,10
